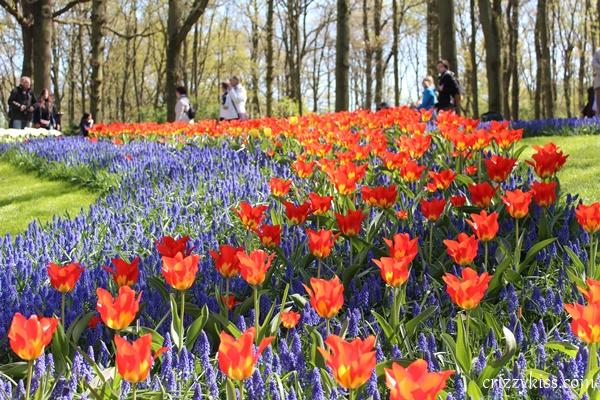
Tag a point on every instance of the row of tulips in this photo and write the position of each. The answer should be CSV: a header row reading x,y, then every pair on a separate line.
x,y
376,200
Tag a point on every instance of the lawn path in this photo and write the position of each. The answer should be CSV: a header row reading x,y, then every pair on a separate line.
x,y
25,197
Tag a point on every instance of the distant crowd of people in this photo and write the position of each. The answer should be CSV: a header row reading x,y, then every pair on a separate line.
x,y
27,111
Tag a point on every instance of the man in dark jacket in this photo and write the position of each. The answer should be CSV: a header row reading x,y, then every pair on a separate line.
x,y
21,104
449,91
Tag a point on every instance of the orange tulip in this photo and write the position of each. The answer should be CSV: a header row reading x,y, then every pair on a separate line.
x,y
269,235
589,217
411,171
326,296
251,216
467,292
134,360
350,223
169,247
319,204
481,194
415,382
29,337
586,321
254,266
592,293
464,250
226,261
279,187
380,196
517,203
124,273
484,225
64,278
179,271
289,319
402,246
237,357
351,363
119,312
394,271
320,243
302,168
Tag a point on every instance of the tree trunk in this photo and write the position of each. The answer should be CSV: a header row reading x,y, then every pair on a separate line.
x,y
82,78
97,57
493,46
378,51
42,45
27,37
342,51
368,57
447,33
269,56
254,55
433,36
395,44
514,59
544,59
473,60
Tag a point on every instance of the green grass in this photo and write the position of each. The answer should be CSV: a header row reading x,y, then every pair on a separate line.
x,y
25,197
581,173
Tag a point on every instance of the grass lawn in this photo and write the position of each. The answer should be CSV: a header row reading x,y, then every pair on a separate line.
x,y
581,173
25,197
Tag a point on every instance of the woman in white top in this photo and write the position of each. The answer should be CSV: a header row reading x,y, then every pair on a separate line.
x,y
226,110
238,97
183,106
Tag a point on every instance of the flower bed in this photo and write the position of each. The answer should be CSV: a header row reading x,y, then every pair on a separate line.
x,y
366,255
17,135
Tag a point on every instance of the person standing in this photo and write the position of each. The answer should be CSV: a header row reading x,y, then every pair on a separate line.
x,y
429,96
448,88
21,104
44,113
183,108
238,96
596,68
86,123
226,110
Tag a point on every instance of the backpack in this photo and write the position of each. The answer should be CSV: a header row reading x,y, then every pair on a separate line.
x,y
191,112
461,89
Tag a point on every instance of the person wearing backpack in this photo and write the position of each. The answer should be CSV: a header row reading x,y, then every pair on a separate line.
x,y
184,111
448,87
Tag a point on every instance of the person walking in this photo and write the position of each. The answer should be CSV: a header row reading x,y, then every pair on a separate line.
x,y
448,88
596,69
86,123
44,112
238,96
21,104
183,109
226,110
429,96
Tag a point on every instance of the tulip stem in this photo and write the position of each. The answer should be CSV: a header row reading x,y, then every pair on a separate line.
x,y
29,376
256,312
181,333
226,302
62,315
517,247
592,257
430,245
241,389
592,364
353,394
485,255
328,327
134,391
319,268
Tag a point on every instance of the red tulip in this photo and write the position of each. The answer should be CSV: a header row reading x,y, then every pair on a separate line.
x,y
589,217
411,171
229,301
499,168
380,196
297,214
432,209
326,296
441,180
179,271
547,160
517,203
280,187
134,360
169,247
119,312
254,266
464,250
351,363
319,204
484,225
251,216
458,200
467,292
124,273
29,337
349,224
481,194
64,278
544,193
415,382
320,243
226,261
269,235
237,357
302,168
402,246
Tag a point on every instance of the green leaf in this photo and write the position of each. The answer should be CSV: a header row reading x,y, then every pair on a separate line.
x,y
412,325
79,325
387,329
14,370
175,334
195,328
463,346
564,347
474,391
536,248
577,263
225,323
230,390
495,365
